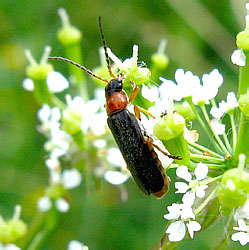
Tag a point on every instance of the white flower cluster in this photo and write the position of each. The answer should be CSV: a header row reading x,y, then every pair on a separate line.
x,y
241,215
182,214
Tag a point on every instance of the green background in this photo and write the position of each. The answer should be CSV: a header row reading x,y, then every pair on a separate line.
x,y
201,37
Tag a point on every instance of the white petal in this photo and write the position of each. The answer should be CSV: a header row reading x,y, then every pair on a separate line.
x,y
116,177
168,89
150,94
76,245
187,212
44,204
176,231
52,163
182,172
100,143
212,80
9,246
238,57
201,171
218,127
56,82
242,212
115,157
62,205
242,237
200,191
242,226
71,178
55,114
217,112
174,212
181,187
28,84
188,199
193,226
44,113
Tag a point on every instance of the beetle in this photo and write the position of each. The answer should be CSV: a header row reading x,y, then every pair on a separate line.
x,y
135,144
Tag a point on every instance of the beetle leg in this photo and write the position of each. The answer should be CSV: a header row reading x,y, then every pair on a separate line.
x,y
143,110
134,92
165,153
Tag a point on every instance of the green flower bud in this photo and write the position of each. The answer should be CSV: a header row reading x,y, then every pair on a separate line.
x,y
103,72
240,179
169,127
68,34
234,188
185,110
170,131
244,104
242,40
39,71
139,76
160,60
14,229
55,191
71,120
230,196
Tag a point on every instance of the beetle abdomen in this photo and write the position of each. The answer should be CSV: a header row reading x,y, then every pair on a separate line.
x,y
145,168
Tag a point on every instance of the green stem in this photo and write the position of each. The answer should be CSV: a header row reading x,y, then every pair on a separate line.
x,y
209,198
204,149
220,143
234,131
204,127
194,150
224,134
216,166
205,182
206,158
57,102
244,76
242,142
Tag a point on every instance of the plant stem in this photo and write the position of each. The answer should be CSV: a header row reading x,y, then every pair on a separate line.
x,y
204,149
234,131
211,195
222,146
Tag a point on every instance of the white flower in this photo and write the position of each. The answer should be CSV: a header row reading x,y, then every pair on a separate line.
x,y
44,204
56,82
184,214
193,226
187,82
9,246
62,205
212,80
218,127
238,57
183,173
176,231
115,157
243,235
28,84
225,106
209,89
116,177
242,212
76,245
151,93
71,178
201,172
100,143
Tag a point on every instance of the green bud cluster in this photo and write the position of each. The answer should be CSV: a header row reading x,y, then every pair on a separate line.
x,y
234,187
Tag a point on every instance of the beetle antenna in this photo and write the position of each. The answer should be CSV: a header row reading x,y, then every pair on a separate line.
x,y
105,48
79,66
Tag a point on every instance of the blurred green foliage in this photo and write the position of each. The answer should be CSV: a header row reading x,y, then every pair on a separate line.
x,y
200,37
